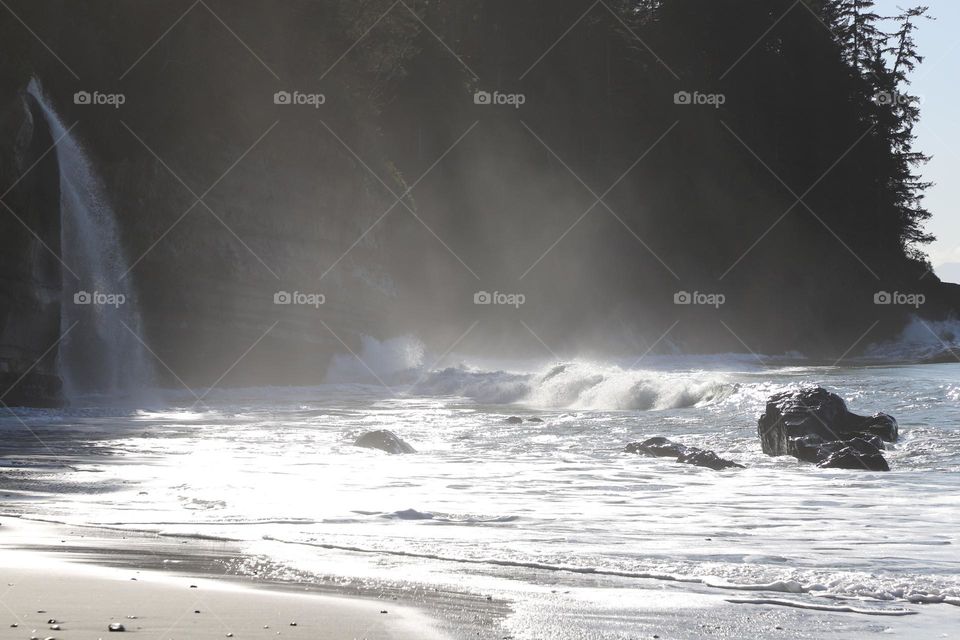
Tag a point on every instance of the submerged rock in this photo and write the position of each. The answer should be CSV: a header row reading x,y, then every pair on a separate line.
x,y
514,420
814,425
534,419
657,446
660,447
704,458
384,441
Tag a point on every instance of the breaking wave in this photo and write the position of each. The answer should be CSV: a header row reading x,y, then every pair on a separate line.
x,y
920,341
580,385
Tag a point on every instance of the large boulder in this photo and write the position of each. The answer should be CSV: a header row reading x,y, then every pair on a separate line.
x,y
660,447
384,441
814,425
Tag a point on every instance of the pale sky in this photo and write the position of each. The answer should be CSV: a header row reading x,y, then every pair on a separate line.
x,y
936,82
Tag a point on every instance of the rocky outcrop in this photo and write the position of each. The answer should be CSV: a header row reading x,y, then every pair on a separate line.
x,y
662,448
815,425
384,441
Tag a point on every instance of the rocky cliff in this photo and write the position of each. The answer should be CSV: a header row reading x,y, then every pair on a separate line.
x,y
340,149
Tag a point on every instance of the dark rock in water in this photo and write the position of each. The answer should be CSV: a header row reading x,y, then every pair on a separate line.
x,y
384,441
704,458
851,457
410,514
662,448
814,425
657,446
514,420
534,419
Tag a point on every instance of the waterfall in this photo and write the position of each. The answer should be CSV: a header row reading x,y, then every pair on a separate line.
x,y
100,355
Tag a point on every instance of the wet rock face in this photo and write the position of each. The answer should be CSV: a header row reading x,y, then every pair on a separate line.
x,y
384,441
855,453
814,425
30,289
662,448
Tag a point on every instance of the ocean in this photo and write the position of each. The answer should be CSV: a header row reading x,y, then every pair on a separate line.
x,y
552,516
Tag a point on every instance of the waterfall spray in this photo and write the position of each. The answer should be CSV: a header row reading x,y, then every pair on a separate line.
x,y
102,353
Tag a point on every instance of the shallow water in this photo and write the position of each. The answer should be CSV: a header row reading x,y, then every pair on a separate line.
x,y
553,508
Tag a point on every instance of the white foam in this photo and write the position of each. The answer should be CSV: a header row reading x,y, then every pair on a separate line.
x,y
581,385
920,340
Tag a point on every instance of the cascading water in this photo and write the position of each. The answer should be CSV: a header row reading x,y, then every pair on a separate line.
x,y
101,353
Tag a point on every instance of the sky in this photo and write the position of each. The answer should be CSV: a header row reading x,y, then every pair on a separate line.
x,y
938,135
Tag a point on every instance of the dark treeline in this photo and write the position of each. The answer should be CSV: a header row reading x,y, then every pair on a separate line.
x,y
819,93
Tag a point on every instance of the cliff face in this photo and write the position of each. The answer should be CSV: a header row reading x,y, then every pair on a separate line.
x,y
224,195
30,276
398,196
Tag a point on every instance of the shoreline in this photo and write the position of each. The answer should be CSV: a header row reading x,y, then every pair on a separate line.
x,y
86,578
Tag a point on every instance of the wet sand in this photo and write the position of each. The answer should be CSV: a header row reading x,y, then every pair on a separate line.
x,y
83,599
86,578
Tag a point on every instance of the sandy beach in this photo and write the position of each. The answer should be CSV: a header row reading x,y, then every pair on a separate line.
x,y
46,595
61,581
